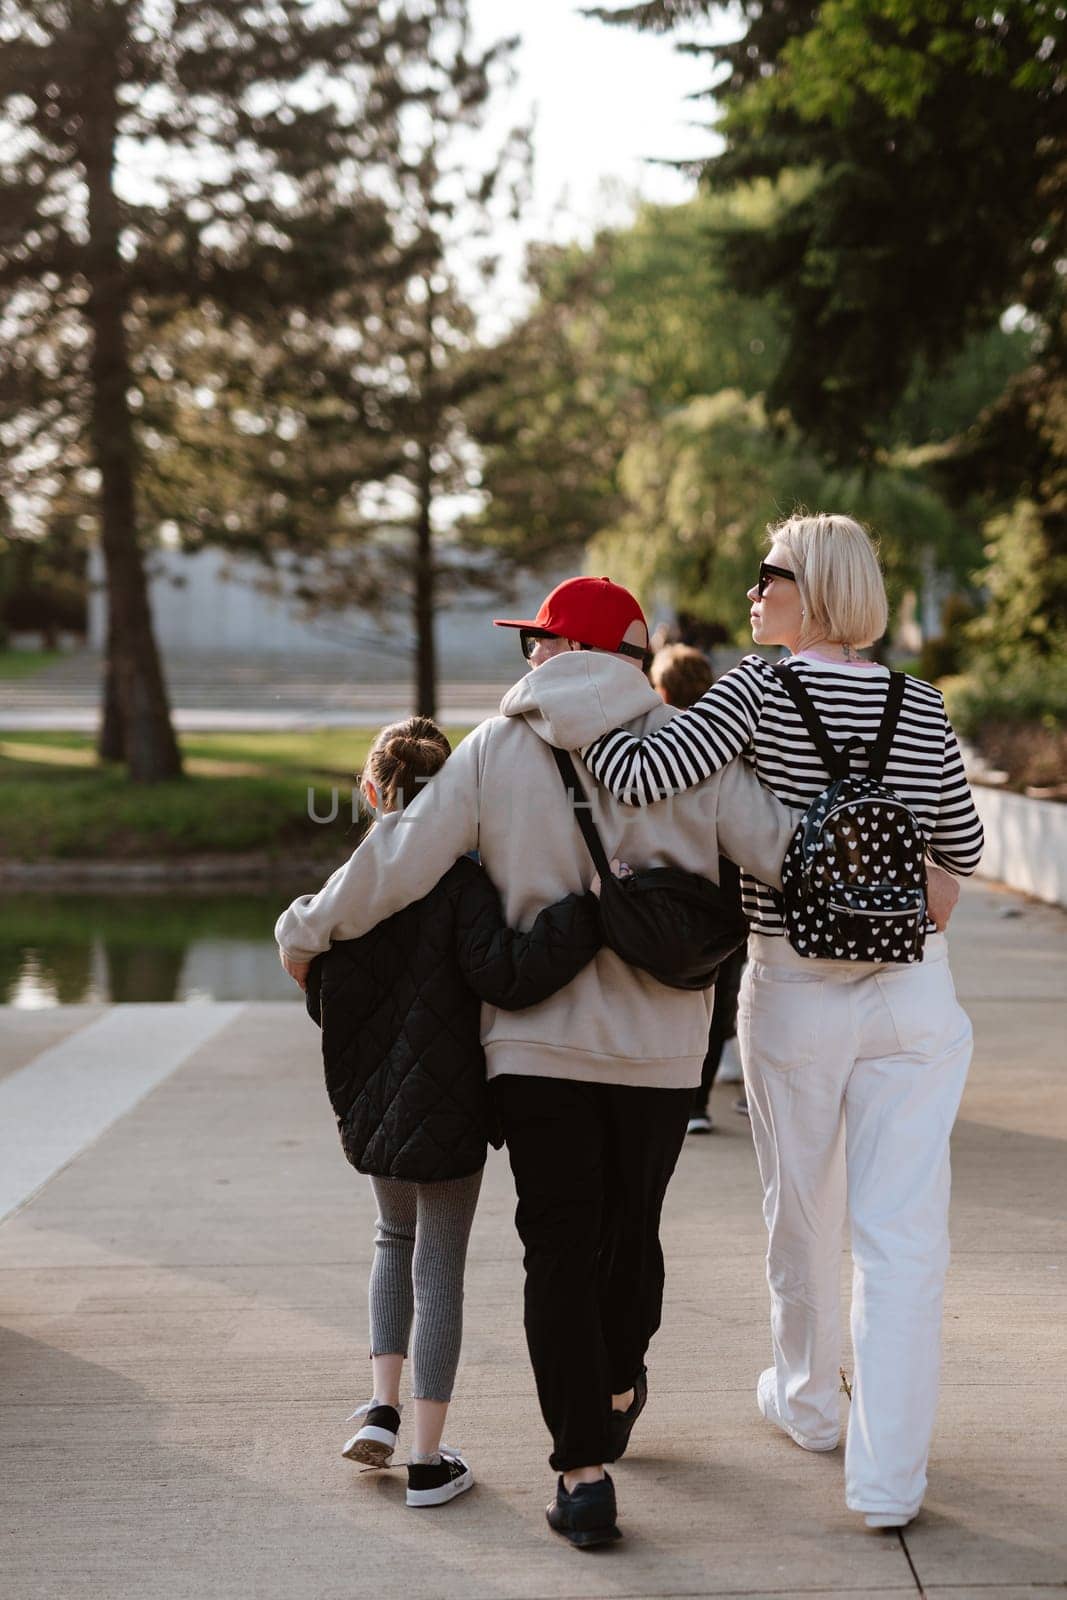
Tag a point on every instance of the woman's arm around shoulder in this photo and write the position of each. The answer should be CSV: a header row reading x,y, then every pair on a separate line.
x,y
753,828
688,748
513,970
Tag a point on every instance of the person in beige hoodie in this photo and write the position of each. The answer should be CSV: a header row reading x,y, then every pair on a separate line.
x,y
593,1086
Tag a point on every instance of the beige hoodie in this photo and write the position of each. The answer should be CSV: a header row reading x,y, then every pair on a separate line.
x,y
500,793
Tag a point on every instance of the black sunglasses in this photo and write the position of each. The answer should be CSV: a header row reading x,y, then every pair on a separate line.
x,y
528,638
767,572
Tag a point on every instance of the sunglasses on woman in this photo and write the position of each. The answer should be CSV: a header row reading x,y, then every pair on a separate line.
x,y
767,572
528,638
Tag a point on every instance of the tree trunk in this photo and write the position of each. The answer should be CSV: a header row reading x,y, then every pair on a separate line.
x,y
149,745
111,740
425,644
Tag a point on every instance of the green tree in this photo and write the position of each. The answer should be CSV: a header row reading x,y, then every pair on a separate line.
x,y
930,136
939,406
633,414
401,516
702,484
619,334
932,141
329,444
552,430
219,157
933,145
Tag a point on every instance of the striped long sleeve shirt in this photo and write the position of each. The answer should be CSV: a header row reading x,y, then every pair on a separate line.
x,y
748,713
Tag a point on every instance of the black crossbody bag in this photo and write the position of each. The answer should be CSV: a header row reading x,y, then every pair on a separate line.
x,y
675,925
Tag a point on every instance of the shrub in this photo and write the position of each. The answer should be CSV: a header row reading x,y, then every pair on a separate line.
x,y
1022,618
1016,716
1032,690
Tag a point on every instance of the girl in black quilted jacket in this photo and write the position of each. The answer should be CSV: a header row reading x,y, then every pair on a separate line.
x,y
400,1011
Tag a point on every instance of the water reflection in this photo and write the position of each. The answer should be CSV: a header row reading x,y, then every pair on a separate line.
x,y
69,949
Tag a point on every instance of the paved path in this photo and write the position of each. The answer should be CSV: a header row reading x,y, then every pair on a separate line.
x,y
222,692
182,1331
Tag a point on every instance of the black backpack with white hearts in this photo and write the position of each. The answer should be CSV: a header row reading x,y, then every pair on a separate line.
x,y
854,874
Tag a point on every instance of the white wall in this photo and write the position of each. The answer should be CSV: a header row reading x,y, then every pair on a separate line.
x,y
209,604
1025,843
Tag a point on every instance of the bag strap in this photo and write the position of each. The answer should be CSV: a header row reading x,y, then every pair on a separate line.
x,y
582,812
730,880
836,762
894,699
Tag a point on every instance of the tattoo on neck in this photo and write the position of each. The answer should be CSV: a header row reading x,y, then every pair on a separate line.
x,y
848,652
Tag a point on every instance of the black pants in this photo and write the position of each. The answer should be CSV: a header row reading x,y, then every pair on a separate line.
x,y
723,1026
592,1162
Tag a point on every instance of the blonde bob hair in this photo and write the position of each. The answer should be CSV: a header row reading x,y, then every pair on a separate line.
x,y
838,575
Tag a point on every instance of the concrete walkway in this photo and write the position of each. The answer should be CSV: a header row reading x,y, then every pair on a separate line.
x,y
224,693
182,1332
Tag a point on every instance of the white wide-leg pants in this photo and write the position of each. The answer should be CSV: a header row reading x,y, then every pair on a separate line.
x,y
854,1075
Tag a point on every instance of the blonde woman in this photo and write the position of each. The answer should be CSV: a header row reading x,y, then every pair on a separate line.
x,y
854,1070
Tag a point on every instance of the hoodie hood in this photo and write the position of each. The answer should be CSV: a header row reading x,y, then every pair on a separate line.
x,y
575,697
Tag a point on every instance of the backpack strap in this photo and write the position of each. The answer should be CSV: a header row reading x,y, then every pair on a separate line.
x,y
582,812
879,755
836,762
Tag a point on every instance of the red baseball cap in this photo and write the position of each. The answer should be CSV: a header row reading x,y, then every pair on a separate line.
x,y
594,611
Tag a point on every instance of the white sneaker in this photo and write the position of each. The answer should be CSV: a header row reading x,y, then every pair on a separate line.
x,y
699,1124
434,1484
376,1440
767,1400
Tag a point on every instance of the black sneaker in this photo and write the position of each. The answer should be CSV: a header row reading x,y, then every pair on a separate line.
x,y
437,1484
376,1440
622,1422
585,1516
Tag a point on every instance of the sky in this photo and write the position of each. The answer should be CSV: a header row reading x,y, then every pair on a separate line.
x,y
606,100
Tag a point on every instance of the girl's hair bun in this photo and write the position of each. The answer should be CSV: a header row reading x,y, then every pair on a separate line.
x,y
403,757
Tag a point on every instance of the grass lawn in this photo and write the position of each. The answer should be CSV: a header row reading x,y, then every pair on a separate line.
x,y
242,792
24,663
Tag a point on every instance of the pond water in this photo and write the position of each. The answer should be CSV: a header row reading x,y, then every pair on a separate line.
x,y
66,949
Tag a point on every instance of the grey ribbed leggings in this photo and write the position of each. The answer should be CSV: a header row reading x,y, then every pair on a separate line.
x,y
417,1277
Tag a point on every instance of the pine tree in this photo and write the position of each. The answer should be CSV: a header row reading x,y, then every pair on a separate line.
x,y
336,434
446,365
218,157
654,16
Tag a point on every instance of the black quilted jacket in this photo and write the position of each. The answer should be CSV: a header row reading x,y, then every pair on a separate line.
x,y
400,1007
